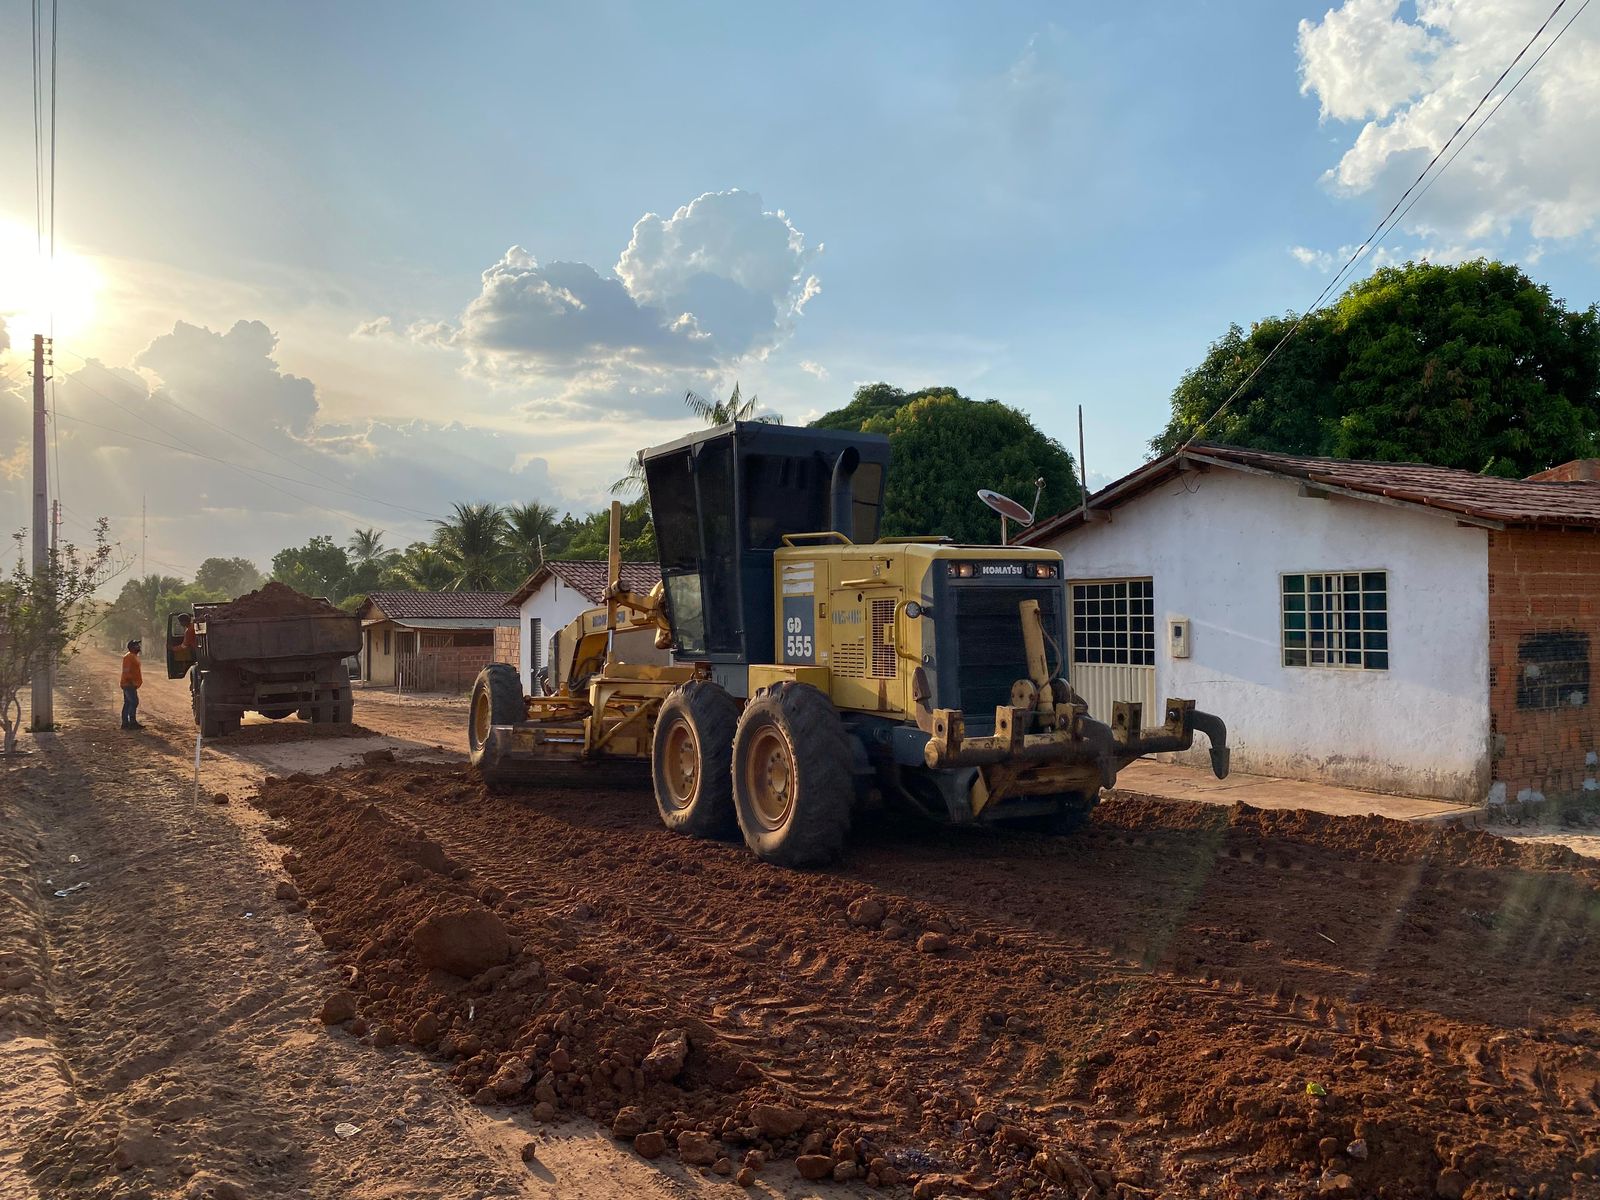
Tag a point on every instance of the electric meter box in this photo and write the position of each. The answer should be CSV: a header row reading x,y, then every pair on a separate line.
x,y
1178,637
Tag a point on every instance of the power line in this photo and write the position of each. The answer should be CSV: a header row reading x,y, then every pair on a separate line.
x,y
1385,226
338,489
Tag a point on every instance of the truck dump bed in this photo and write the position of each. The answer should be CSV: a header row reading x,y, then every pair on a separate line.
x,y
257,639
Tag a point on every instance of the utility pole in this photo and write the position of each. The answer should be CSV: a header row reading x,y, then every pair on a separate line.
x,y
44,666
144,542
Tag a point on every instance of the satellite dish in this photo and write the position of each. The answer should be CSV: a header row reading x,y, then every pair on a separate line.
x,y
1006,506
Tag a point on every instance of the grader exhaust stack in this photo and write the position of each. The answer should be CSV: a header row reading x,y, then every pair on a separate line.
x,y
816,667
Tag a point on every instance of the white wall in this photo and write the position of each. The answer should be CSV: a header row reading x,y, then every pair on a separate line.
x,y
1215,545
553,606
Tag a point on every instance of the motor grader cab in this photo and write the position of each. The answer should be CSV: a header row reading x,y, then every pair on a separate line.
x,y
815,667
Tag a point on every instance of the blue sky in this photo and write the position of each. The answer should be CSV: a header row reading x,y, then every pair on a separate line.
x,y
1049,204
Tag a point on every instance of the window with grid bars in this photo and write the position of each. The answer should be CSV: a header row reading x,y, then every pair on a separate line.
x,y
1114,622
1336,619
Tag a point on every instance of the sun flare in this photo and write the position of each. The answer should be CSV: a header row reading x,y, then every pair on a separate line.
x,y
40,295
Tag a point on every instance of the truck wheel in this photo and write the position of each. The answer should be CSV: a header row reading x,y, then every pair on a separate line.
x,y
496,700
792,786
689,760
277,714
1070,816
210,725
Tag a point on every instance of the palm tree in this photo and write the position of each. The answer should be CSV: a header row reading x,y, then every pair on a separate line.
x,y
528,529
422,569
713,413
472,541
366,546
726,412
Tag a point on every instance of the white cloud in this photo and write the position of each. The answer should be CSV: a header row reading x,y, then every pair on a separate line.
x,y
377,327
1534,164
719,282
234,456
814,368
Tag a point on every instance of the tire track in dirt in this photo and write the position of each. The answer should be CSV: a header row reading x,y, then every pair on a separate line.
x,y
1150,1001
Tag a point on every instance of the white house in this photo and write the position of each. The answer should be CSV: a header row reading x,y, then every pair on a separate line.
x,y
558,593
1381,625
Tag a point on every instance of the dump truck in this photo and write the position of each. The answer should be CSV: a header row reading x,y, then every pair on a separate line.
x,y
273,651
817,668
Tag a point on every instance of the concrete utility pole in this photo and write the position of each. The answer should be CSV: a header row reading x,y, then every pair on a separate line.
x,y
44,668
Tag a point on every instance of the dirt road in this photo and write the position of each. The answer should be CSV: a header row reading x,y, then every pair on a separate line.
x,y
1185,1000
158,1031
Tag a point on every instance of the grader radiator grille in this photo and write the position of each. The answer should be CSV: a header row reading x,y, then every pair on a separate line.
x,y
989,651
882,630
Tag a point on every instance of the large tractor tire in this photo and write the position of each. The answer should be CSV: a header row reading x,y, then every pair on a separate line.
x,y
1071,814
792,785
496,700
690,758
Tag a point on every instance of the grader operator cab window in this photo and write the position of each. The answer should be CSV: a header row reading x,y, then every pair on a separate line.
x,y
723,500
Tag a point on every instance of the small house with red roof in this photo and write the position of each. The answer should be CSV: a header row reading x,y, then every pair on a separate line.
x,y
1393,626
431,641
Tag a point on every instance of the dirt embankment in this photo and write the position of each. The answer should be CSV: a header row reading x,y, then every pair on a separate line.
x,y
1184,1001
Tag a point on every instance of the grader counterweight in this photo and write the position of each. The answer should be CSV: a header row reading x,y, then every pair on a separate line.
x,y
816,668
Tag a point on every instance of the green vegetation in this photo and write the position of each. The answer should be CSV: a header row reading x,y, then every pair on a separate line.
x,y
943,447
1473,366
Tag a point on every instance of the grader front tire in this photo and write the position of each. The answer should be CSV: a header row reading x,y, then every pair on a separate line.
x,y
496,700
689,760
792,784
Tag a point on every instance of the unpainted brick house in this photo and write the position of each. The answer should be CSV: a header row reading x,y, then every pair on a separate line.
x,y
432,641
1390,626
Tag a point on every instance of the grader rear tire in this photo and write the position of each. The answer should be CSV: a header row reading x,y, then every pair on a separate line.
x,y
496,700
690,760
792,784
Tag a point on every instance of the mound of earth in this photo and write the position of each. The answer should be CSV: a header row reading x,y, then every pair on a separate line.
x,y
1177,1003
272,599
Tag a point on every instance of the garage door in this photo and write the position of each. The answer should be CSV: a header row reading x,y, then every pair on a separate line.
x,y
1114,644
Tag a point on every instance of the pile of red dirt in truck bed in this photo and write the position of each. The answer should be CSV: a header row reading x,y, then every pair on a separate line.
x,y
272,599
1179,1002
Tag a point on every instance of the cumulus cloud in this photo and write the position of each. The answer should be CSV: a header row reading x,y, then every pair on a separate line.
x,y
721,280
234,455
377,327
814,368
1411,80
5,336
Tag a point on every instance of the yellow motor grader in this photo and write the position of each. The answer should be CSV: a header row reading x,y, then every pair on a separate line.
x,y
815,667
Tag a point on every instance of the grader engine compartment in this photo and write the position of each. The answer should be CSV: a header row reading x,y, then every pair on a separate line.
x,y
817,668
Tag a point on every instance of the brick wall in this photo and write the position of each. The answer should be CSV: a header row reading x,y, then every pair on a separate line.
x,y
442,668
508,644
1544,638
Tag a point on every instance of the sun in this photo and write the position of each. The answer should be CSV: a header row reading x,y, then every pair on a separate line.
x,y
40,295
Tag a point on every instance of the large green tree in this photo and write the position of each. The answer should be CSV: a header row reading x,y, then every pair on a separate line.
x,y
943,447
1473,366
319,568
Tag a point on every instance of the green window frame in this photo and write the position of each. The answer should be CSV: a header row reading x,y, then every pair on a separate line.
x,y
1335,619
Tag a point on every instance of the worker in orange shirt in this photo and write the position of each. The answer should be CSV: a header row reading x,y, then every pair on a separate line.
x,y
184,645
132,680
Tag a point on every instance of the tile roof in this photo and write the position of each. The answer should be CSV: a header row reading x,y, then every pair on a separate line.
x,y
401,606
1484,499
588,577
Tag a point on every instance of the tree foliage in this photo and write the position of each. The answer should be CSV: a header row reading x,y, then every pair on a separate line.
x,y
228,577
943,447
319,568
43,616
1473,366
